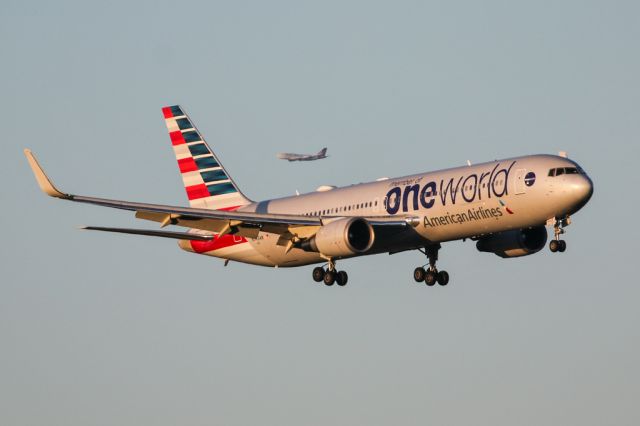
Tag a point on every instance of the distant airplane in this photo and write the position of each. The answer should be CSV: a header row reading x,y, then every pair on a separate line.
x,y
503,205
303,157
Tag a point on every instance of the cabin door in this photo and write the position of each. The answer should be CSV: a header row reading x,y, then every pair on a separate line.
x,y
519,183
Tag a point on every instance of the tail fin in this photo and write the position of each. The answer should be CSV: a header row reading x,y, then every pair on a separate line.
x,y
207,183
323,151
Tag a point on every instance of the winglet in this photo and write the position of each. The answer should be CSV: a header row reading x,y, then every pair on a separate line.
x,y
43,180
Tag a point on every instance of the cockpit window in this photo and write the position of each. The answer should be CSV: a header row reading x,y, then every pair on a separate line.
x,y
565,170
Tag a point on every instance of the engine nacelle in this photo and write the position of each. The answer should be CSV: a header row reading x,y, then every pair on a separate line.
x,y
342,237
516,243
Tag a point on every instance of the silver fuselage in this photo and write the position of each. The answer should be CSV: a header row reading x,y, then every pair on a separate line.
x,y
444,205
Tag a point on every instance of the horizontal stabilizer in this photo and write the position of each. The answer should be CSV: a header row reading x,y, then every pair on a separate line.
x,y
153,233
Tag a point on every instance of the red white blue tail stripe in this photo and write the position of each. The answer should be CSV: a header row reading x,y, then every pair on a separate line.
x,y
207,183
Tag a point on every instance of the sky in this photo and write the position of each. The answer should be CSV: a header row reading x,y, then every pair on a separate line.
x,y
100,329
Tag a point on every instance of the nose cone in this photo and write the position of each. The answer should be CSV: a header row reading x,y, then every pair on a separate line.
x,y
581,191
585,189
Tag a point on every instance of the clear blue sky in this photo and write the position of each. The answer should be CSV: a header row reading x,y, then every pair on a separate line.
x,y
102,329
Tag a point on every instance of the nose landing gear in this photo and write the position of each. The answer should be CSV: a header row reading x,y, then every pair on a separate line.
x,y
431,275
558,245
330,276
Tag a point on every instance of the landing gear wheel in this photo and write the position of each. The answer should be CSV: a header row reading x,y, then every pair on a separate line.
x,y
430,274
443,278
342,278
430,278
563,246
318,274
329,278
558,229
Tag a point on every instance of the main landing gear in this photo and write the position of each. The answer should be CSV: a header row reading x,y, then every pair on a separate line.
x,y
558,245
431,275
330,275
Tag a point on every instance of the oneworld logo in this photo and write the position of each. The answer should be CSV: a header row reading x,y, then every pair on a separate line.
x,y
530,179
411,194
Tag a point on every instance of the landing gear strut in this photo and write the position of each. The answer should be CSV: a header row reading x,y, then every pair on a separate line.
x,y
330,275
558,245
430,275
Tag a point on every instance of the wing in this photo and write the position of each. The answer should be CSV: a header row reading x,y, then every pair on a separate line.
x,y
246,224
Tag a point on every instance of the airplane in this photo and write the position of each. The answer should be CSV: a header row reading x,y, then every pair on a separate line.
x,y
504,206
303,157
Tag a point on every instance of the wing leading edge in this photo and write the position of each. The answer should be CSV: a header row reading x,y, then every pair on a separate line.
x,y
246,224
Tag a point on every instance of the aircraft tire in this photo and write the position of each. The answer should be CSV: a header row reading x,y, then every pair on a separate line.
x,y
342,278
329,278
318,274
443,278
554,245
419,274
563,246
430,278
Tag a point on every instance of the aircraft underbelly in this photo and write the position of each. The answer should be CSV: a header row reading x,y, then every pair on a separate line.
x,y
262,251
390,240
266,245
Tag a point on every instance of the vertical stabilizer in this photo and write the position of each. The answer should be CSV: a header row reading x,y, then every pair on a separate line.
x,y
206,181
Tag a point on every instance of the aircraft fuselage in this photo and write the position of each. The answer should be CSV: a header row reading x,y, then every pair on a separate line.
x,y
445,205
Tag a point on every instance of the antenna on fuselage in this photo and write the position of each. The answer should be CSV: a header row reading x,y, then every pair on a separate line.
x,y
469,163
563,154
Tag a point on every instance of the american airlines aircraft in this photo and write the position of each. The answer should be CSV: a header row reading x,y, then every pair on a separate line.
x,y
503,205
303,157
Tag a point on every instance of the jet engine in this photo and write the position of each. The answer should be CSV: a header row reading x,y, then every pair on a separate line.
x,y
516,243
342,237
